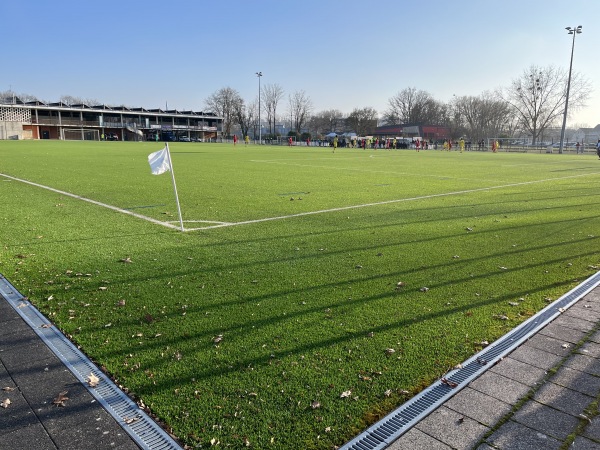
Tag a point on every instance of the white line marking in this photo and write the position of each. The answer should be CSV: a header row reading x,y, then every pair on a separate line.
x,y
79,197
307,213
387,202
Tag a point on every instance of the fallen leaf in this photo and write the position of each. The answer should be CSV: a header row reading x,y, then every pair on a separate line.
x,y
61,399
102,288
121,303
5,403
424,289
8,389
345,394
388,393
447,382
218,339
46,325
389,351
92,380
315,405
126,260
131,420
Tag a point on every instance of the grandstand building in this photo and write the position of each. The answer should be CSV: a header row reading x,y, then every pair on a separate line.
x,y
39,120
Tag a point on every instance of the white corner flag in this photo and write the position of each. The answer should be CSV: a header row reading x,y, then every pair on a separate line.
x,y
160,162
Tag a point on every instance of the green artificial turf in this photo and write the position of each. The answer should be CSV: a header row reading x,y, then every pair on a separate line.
x,y
292,332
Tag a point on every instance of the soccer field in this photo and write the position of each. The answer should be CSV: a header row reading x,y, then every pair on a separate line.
x,y
276,319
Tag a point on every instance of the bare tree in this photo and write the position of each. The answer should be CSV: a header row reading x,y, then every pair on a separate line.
x,y
538,97
413,106
480,117
323,122
71,100
300,106
271,96
246,116
225,103
362,120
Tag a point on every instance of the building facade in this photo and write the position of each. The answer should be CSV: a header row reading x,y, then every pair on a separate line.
x,y
39,120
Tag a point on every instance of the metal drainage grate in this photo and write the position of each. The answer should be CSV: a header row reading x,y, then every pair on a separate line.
x,y
398,422
144,431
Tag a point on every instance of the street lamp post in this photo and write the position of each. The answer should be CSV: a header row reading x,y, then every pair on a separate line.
x,y
574,32
259,74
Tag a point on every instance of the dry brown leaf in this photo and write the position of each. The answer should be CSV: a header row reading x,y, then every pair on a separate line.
x,y
92,380
46,325
315,405
126,260
345,394
102,288
8,389
218,338
5,403
61,398
131,420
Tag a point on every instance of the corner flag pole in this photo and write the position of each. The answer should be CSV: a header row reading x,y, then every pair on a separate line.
x,y
174,186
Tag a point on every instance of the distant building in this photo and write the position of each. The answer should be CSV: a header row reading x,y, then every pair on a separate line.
x,y
587,135
429,132
39,120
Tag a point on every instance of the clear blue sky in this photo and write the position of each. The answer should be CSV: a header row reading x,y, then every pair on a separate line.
x,y
342,53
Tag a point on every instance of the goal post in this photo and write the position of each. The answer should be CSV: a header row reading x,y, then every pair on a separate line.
x,y
285,140
81,134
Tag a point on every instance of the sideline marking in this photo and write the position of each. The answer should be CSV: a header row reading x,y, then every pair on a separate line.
x,y
388,202
89,200
307,213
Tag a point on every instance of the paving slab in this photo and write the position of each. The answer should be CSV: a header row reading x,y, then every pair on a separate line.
x,y
576,323
546,420
563,399
577,381
28,438
479,406
592,431
500,387
416,439
452,428
550,344
515,436
582,443
536,357
519,371
562,333
584,363
590,348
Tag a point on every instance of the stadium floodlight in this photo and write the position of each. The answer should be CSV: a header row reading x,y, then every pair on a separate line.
x,y
574,31
259,74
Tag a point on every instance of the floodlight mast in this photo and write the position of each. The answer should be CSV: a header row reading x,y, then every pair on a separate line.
x,y
574,31
259,74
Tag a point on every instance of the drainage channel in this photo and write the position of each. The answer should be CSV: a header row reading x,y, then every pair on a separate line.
x,y
143,430
398,422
